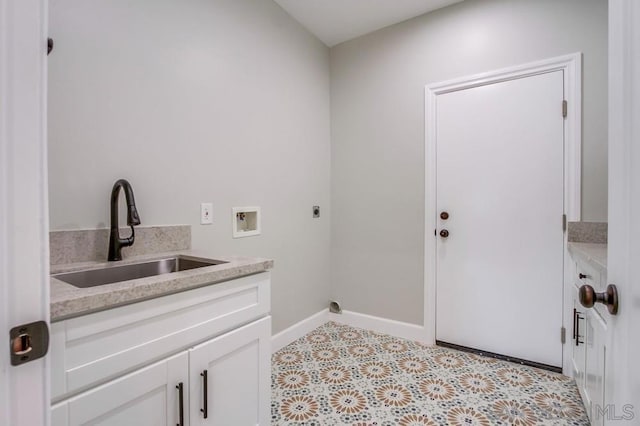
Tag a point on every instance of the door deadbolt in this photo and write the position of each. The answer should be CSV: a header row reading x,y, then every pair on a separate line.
x,y
444,215
28,342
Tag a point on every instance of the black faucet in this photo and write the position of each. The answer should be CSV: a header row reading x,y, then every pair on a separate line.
x,y
115,242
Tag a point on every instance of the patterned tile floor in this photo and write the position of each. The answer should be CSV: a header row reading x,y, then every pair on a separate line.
x,y
340,375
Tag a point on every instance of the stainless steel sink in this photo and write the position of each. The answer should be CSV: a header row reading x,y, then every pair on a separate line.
x,y
114,274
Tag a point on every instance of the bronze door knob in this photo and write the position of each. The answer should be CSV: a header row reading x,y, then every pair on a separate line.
x,y
444,233
589,297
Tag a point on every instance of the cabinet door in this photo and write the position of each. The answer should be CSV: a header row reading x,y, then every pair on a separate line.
x,y
578,342
146,397
237,368
594,371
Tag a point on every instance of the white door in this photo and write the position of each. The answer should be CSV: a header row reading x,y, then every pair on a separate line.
x,y
622,382
500,179
24,254
231,378
147,397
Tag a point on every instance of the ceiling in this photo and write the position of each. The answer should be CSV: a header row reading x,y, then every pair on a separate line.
x,y
335,21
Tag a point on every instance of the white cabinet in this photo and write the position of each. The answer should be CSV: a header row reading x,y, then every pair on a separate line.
x,y
237,369
589,345
577,341
594,367
125,366
145,397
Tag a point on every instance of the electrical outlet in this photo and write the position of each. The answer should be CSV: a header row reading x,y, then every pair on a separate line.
x,y
206,213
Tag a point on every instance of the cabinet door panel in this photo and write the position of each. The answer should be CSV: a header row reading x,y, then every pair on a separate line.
x,y
238,377
578,350
59,415
144,397
594,372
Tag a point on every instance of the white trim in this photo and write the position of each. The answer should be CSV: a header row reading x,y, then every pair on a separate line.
x,y
572,70
299,329
404,330
354,319
567,310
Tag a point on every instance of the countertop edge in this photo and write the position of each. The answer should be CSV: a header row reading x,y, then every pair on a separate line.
x,y
68,301
593,253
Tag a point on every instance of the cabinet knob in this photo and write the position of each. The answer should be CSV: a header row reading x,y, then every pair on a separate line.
x,y
589,297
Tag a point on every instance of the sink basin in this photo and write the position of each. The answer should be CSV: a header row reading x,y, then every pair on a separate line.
x,y
114,274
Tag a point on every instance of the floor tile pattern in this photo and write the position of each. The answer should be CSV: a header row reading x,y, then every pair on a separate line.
x,y
340,375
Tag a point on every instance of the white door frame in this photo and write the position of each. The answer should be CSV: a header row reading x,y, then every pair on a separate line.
x,y
571,65
24,219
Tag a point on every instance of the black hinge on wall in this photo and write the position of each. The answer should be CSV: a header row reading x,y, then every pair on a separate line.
x,y
564,109
563,335
564,222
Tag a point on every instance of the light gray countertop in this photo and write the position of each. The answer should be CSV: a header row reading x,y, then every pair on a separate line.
x,y
594,254
68,301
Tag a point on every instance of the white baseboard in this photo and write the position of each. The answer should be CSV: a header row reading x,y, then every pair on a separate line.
x,y
299,329
404,330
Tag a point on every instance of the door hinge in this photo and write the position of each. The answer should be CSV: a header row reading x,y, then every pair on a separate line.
x,y
564,222
564,109
563,335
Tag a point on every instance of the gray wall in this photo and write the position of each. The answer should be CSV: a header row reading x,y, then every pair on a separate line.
x,y
224,101
377,130
228,101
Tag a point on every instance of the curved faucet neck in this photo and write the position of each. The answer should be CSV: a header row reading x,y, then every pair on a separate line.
x,y
115,242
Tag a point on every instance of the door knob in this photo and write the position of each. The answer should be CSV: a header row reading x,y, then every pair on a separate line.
x,y
589,297
444,233
444,215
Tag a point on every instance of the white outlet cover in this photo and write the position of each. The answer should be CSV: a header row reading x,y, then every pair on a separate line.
x,y
206,213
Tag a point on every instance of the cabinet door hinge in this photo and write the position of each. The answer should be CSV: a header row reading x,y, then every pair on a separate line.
x,y
564,109
563,335
564,222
